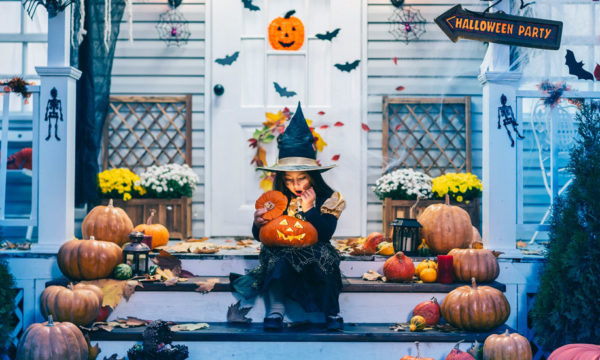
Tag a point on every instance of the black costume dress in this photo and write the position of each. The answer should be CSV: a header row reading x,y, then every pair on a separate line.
x,y
310,275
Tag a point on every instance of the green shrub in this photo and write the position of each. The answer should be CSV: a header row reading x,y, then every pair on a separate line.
x,y
7,304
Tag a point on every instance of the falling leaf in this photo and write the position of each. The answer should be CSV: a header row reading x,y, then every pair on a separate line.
x,y
400,88
597,72
189,327
397,127
235,314
365,127
93,351
372,275
206,286
319,142
321,113
166,261
335,157
323,127
395,60
338,123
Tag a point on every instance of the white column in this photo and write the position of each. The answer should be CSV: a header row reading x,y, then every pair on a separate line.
x,y
57,157
499,212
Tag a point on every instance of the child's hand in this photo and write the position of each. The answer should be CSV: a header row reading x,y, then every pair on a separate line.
x,y
258,219
308,199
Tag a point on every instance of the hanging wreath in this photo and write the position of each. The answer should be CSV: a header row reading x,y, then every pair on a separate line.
x,y
17,85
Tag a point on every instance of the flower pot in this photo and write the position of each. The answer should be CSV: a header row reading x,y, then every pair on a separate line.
x,y
393,209
174,214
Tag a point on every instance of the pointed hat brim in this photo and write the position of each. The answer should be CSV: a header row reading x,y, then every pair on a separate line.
x,y
296,164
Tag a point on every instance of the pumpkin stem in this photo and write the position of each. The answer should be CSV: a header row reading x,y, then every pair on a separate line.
x,y
473,283
289,14
447,199
50,321
418,351
269,205
110,203
458,343
92,237
412,208
70,286
506,333
434,300
149,221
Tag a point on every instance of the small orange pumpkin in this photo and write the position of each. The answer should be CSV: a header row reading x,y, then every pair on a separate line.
x,y
275,203
159,233
507,347
286,33
107,223
288,231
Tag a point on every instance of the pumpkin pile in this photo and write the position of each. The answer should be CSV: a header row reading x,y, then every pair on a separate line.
x,y
283,230
446,227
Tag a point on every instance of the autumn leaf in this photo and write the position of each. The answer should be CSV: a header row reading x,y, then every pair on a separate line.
x,y
166,261
319,143
197,240
180,247
400,88
135,322
397,127
113,357
206,286
273,118
267,139
93,351
235,314
253,142
129,288
372,275
266,184
113,290
185,275
260,158
321,113
171,281
323,127
395,60
365,127
189,327
597,72
338,123
335,157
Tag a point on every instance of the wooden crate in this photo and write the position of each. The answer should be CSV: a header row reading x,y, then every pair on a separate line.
x,y
393,209
174,214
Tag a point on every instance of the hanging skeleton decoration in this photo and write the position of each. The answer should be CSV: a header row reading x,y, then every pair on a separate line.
x,y
53,112
505,113
52,6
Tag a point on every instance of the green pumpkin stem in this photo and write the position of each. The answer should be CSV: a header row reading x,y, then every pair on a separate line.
x,y
149,221
289,14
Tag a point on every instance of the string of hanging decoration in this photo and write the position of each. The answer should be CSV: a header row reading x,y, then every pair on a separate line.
x,y
172,27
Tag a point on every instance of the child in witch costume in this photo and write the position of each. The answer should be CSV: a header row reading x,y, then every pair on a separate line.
x,y
309,275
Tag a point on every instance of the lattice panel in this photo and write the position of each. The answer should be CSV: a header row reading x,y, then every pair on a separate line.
x,y
427,134
17,318
143,131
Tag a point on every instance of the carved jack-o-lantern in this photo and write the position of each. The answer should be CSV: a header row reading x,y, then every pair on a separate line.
x,y
288,231
286,33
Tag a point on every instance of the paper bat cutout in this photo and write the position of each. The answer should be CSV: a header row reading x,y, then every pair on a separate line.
x,y
249,5
576,67
228,59
329,35
283,91
348,66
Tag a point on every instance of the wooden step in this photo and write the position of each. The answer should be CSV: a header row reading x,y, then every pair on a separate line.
x,y
305,341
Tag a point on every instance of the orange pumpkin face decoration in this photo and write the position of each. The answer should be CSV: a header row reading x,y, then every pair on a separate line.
x,y
286,33
288,231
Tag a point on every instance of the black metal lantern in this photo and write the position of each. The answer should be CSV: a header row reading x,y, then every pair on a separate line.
x,y
405,235
135,253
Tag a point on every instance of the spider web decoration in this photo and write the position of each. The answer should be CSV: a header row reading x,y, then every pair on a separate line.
x,y
173,27
407,24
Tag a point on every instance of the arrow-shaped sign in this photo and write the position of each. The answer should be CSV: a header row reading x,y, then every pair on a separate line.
x,y
500,28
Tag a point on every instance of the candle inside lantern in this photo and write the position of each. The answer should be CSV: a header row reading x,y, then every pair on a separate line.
x,y
445,270
147,240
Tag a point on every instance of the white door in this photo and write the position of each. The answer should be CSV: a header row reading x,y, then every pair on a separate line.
x,y
250,92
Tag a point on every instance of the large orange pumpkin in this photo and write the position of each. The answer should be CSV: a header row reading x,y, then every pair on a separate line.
x,y
576,352
475,308
107,223
79,304
286,33
159,233
506,347
288,231
88,259
480,264
446,227
275,203
51,341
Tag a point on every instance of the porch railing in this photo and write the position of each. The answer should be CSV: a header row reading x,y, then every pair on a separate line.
x,y
542,157
10,133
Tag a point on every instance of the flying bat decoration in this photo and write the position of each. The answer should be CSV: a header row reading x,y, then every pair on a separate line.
x,y
329,35
52,6
228,59
576,67
283,91
249,5
348,66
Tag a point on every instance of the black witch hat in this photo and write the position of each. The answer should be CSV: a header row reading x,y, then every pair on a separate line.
x,y
296,148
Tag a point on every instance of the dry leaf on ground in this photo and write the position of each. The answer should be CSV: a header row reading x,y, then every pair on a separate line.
x,y
196,240
171,281
113,357
180,247
229,247
246,242
189,327
235,314
113,290
166,261
372,275
205,248
133,322
93,351
206,286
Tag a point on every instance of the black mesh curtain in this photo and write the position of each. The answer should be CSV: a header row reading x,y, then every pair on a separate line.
x,y
93,91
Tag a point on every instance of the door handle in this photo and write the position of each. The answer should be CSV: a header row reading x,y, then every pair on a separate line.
x,y
219,89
